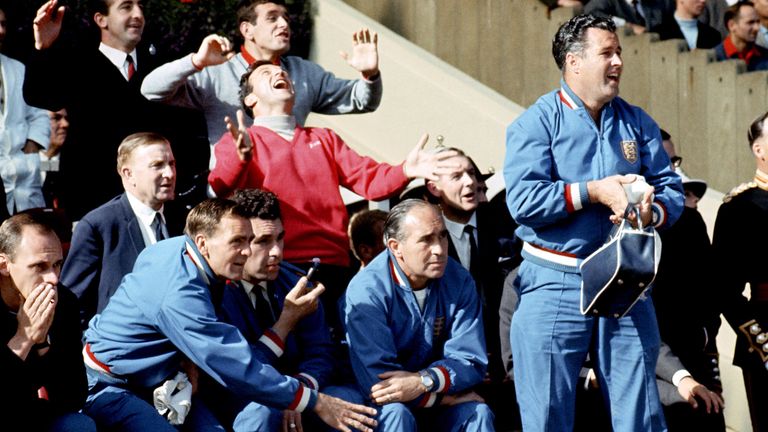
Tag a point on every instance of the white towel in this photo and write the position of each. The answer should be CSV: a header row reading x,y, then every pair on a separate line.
x,y
173,399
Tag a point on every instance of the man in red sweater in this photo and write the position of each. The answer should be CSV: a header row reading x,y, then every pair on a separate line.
x,y
304,167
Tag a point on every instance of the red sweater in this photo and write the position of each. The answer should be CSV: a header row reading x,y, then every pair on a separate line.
x,y
305,174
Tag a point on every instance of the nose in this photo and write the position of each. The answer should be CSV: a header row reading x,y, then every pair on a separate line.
x,y
282,21
276,250
137,12
616,60
51,276
64,123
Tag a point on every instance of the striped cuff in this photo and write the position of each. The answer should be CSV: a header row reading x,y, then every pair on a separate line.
x,y
273,342
659,214
427,400
304,398
576,196
443,379
309,380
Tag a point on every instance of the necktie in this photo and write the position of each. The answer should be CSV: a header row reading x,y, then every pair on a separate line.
x,y
470,230
131,66
2,94
265,310
157,227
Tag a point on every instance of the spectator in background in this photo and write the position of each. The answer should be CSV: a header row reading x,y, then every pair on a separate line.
x,y
97,124
107,241
429,350
209,79
743,27
687,372
366,235
714,15
24,130
761,7
639,15
684,24
50,158
44,383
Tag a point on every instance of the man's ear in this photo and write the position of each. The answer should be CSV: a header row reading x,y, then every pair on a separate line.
x,y
246,29
434,189
200,242
251,100
572,62
100,20
4,270
757,150
394,246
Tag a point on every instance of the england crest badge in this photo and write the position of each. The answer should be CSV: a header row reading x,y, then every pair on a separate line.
x,y
629,150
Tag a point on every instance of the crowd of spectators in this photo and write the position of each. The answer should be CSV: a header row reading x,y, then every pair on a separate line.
x,y
251,300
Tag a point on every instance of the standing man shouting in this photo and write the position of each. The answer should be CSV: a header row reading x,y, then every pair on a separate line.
x,y
567,159
209,79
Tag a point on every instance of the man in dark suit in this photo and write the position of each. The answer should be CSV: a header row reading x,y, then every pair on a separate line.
x,y
639,15
474,241
684,24
107,241
100,89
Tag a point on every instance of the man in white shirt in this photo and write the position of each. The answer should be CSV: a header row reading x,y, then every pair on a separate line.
x,y
107,241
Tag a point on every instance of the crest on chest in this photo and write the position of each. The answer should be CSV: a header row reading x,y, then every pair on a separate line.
x,y
629,150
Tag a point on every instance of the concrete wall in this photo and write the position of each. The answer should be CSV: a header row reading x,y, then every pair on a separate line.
x,y
506,45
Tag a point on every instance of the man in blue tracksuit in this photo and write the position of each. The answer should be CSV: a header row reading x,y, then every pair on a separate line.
x,y
567,159
281,319
415,329
163,313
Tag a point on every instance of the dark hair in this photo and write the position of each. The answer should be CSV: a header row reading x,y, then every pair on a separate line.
x,y
99,6
756,129
246,10
206,216
393,226
572,35
734,11
361,229
11,229
257,203
245,84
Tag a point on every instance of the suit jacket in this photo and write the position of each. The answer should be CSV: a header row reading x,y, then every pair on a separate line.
x,y
708,37
656,11
103,109
105,245
492,244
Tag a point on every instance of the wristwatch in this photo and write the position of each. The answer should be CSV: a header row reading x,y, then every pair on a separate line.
x,y
44,344
427,380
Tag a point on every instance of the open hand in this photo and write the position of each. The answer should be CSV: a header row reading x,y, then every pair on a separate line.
x,y
365,53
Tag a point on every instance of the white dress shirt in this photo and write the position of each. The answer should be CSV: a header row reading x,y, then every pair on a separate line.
x,y
118,58
146,215
461,239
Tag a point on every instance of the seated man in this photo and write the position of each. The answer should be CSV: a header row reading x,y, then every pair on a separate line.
x,y
305,167
107,241
163,314
743,26
281,319
684,24
43,376
422,307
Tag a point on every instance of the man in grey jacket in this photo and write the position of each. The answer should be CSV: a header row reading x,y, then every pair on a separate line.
x,y
209,79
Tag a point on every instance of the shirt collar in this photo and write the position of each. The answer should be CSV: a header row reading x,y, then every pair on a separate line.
x,y
249,58
117,57
457,229
143,212
248,287
568,97
283,125
732,52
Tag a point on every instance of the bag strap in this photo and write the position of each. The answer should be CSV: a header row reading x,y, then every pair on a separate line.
x,y
631,209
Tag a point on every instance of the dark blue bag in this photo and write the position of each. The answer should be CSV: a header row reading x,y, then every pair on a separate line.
x,y
614,277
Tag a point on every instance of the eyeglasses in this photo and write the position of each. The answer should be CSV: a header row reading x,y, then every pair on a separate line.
x,y
676,161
